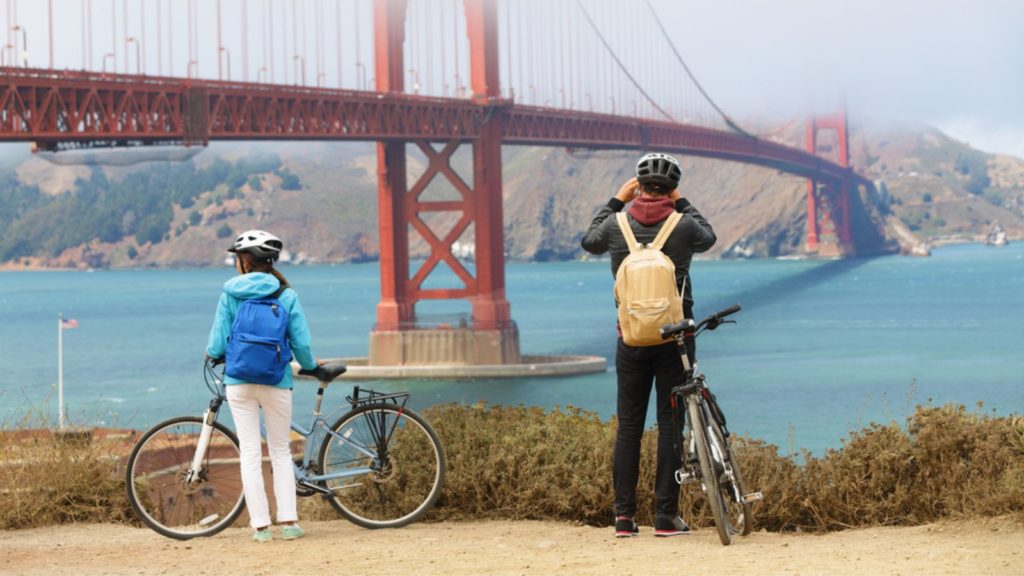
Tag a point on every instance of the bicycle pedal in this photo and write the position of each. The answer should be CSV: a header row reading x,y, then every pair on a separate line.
x,y
684,477
752,497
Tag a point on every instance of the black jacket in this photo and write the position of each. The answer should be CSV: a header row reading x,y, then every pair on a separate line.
x,y
692,235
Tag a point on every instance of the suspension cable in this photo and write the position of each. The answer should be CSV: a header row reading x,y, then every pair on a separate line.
x,y
728,121
622,66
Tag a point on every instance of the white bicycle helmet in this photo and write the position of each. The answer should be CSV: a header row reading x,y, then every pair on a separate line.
x,y
659,169
262,244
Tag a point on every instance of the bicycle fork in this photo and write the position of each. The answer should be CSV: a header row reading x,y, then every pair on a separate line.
x,y
209,417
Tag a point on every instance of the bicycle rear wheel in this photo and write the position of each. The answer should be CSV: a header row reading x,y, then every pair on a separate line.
x,y
407,466
709,476
738,514
161,495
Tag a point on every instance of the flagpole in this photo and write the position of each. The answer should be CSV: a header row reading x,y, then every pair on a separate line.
x,y
60,370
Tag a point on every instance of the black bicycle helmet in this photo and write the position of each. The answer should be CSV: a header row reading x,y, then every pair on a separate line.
x,y
260,243
659,170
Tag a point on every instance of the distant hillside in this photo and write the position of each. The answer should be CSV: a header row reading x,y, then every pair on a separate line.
x,y
942,188
321,198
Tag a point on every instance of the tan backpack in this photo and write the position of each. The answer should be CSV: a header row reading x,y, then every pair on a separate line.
x,y
645,286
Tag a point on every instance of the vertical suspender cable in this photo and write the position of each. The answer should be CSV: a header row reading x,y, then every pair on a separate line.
x,y
266,41
124,7
159,38
444,71
430,47
519,52
84,46
170,40
455,45
270,41
245,40
295,41
569,53
359,62
113,36
142,36
337,36
305,54
508,47
284,40
728,121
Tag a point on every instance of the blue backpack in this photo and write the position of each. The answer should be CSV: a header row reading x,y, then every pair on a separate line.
x,y
258,348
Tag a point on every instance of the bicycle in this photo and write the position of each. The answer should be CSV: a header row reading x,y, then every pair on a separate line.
x,y
702,438
380,465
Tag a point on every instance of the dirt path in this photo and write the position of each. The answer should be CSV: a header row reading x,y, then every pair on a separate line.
x,y
990,547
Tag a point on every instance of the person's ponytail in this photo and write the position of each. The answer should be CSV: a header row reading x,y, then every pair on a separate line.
x,y
265,265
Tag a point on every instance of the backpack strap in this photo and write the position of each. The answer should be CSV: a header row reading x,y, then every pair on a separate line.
x,y
666,230
278,292
627,231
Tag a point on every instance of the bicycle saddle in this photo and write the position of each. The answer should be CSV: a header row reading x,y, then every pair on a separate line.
x,y
326,372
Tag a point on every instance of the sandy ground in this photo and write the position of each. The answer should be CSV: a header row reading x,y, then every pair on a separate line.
x,y
984,547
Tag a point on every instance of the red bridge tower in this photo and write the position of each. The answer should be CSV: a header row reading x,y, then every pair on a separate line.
x,y
828,203
490,337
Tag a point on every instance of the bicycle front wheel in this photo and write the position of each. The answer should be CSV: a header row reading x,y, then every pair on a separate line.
x,y
392,462
709,477
738,513
170,500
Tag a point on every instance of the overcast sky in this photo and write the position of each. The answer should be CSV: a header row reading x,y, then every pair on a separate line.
x,y
953,64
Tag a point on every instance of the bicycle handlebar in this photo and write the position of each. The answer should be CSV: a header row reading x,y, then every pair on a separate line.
x,y
323,372
689,327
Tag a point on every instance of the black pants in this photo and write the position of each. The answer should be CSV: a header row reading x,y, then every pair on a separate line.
x,y
637,368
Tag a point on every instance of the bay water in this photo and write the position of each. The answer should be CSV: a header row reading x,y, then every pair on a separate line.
x,y
820,349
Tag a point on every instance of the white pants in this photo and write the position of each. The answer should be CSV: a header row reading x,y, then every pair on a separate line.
x,y
245,401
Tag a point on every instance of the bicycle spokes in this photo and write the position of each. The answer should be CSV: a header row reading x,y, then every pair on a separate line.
x,y
383,465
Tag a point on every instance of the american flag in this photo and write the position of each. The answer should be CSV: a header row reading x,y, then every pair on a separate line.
x,y
68,323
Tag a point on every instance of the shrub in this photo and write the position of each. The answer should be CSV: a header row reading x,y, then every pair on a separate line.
x,y
48,482
224,231
527,463
290,181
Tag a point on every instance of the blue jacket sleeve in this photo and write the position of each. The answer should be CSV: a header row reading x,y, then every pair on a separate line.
x,y
217,345
298,336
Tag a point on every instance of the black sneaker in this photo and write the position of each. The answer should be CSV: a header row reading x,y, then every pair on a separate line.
x,y
625,527
665,526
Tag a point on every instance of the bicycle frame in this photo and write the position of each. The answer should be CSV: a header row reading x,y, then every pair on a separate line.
x,y
703,439
312,436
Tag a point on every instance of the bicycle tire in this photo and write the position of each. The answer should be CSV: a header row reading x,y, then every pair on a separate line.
x,y
738,514
709,479
403,486
154,480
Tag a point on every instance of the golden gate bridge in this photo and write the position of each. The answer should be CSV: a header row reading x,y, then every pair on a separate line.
x,y
434,74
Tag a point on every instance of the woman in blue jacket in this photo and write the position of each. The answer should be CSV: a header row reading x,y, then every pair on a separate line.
x,y
256,251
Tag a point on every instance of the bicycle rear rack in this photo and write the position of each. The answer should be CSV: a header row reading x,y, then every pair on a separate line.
x,y
372,397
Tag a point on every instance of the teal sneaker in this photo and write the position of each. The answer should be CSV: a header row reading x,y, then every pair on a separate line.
x,y
292,532
263,536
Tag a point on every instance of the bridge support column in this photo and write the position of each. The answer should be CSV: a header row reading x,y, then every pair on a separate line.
x,y
828,205
812,215
490,337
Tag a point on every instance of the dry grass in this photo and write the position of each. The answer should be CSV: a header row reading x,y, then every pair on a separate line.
x,y
526,463
45,480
